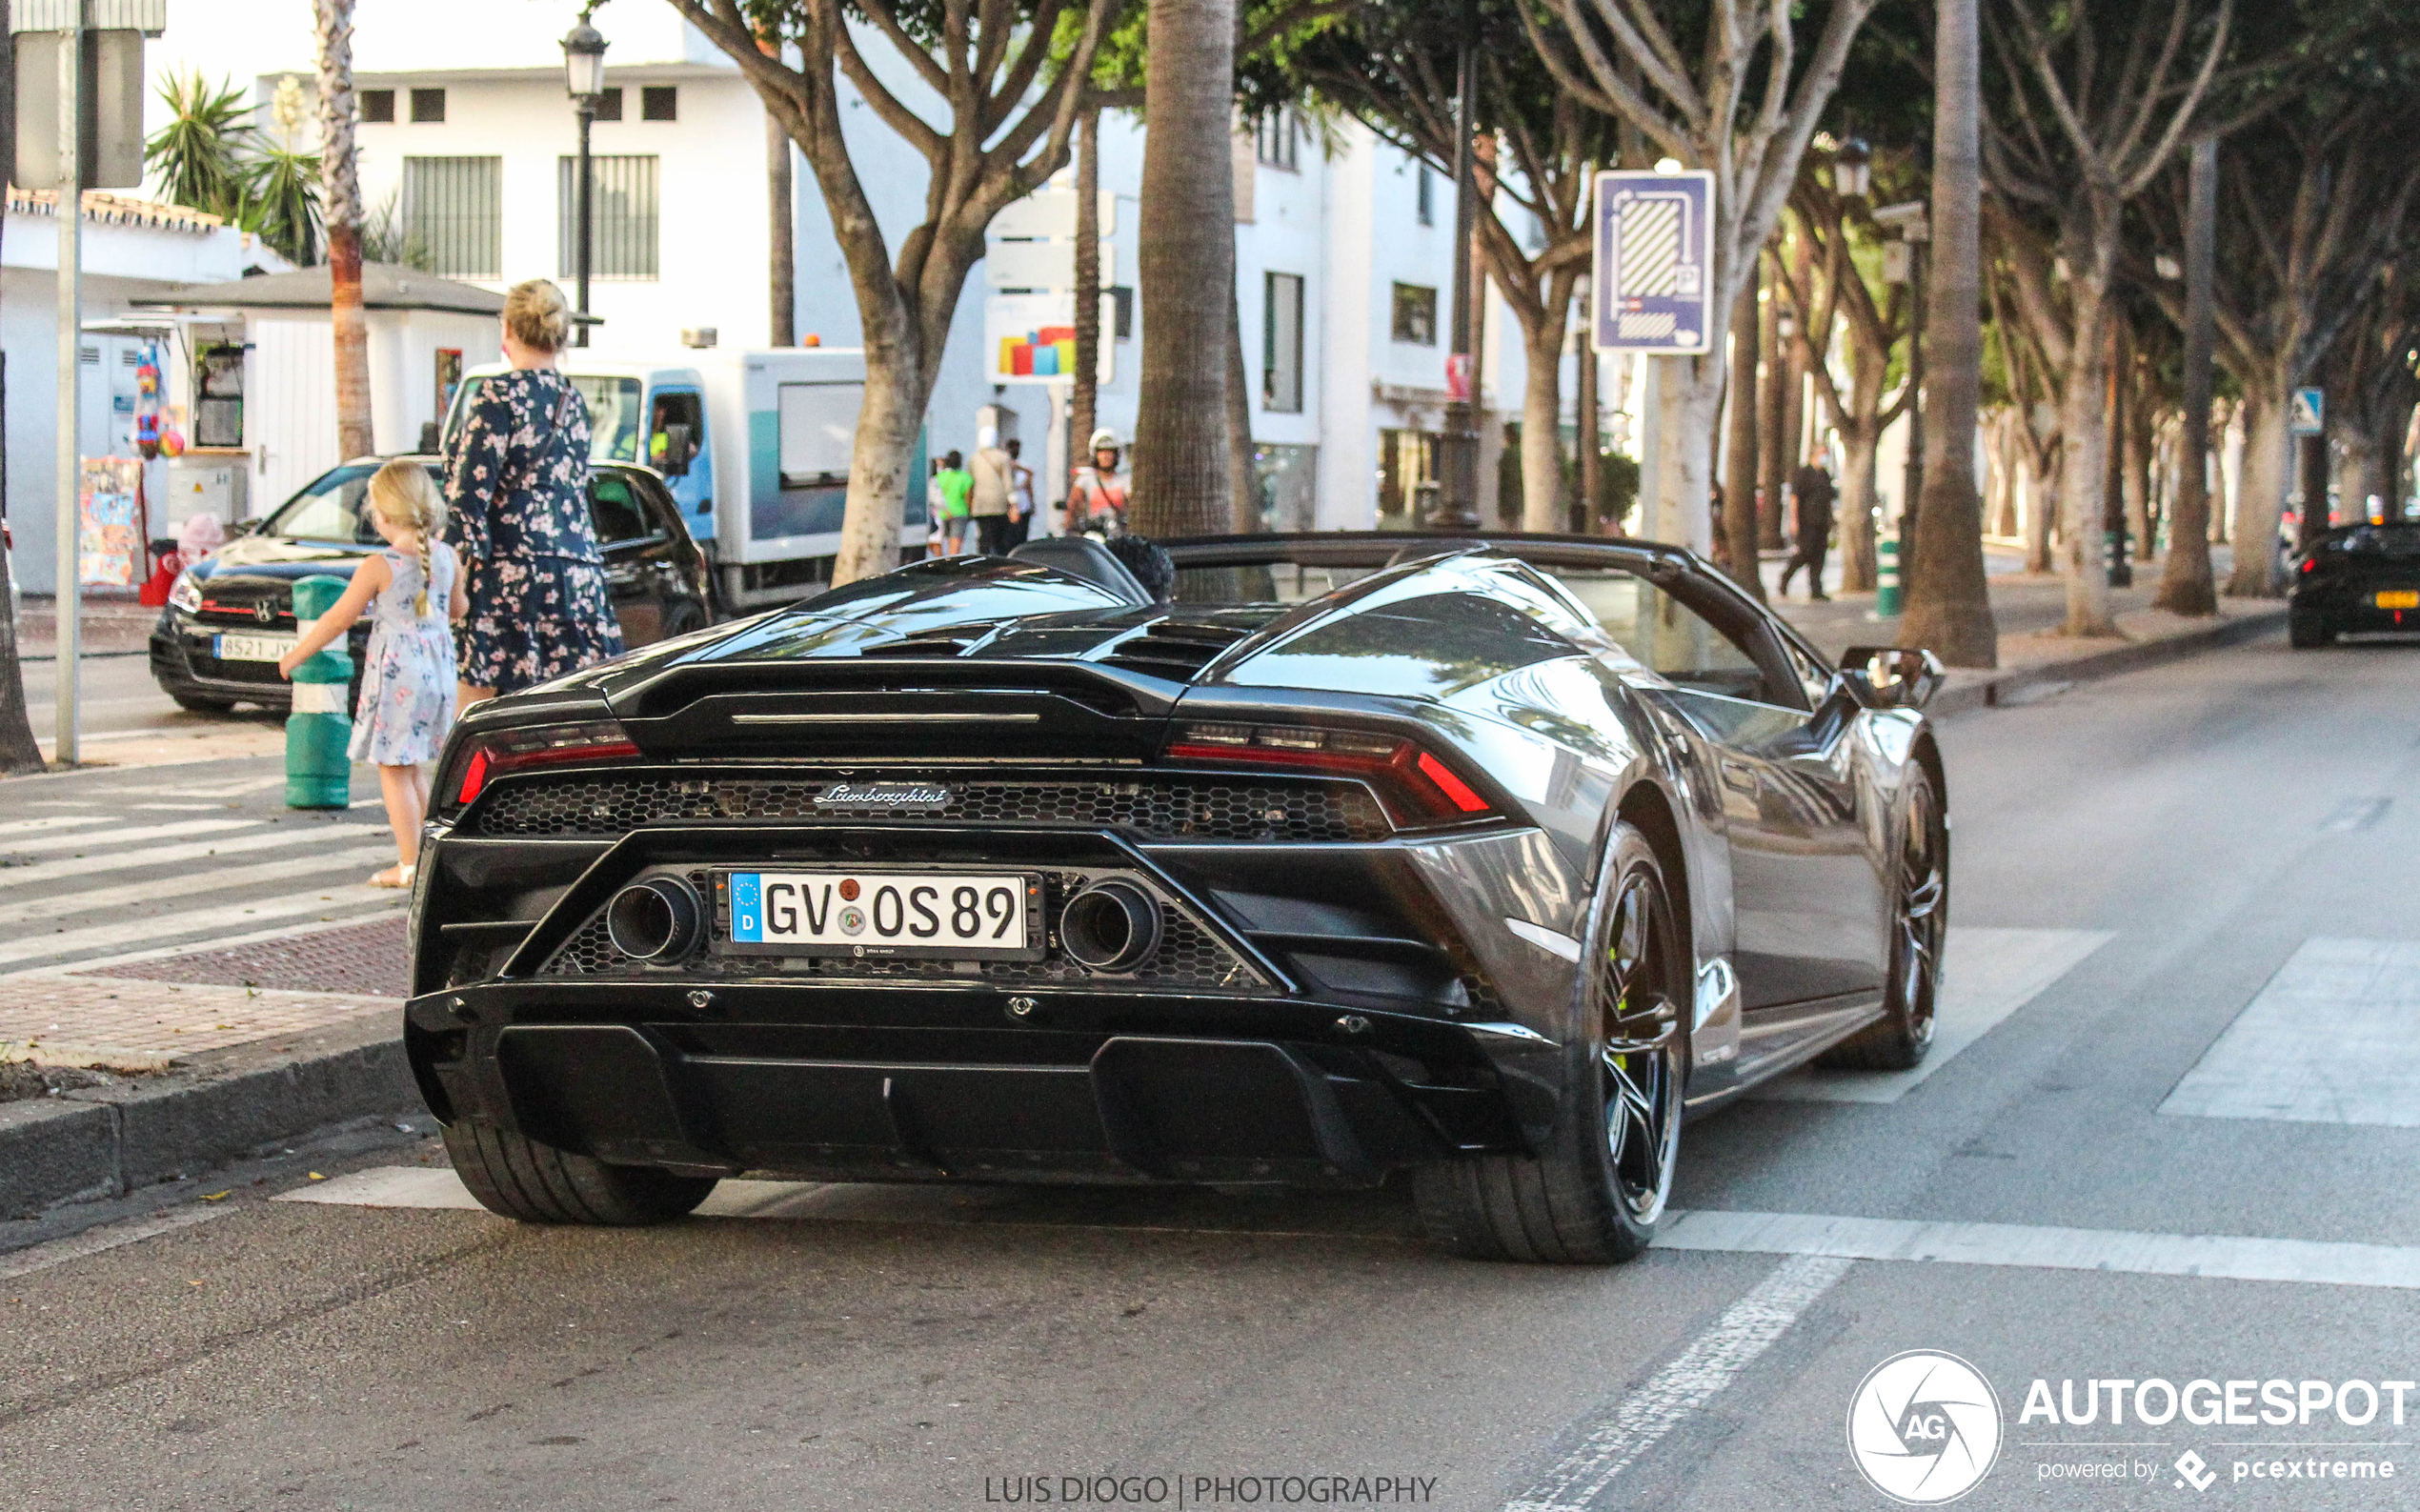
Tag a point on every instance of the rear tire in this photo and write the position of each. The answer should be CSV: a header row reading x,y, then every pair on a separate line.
x,y
2308,632
1594,1194
520,1178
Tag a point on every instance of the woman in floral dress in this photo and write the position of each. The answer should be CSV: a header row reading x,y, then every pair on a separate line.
x,y
516,491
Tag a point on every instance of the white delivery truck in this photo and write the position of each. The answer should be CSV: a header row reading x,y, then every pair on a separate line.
x,y
754,445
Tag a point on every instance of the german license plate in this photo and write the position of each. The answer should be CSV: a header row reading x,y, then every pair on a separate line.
x,y
251,648
959,915
2400,598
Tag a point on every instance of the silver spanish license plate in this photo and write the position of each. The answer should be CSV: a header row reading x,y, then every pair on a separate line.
x,y
957,916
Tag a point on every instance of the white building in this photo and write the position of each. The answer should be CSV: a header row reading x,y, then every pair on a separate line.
x,y
1344,264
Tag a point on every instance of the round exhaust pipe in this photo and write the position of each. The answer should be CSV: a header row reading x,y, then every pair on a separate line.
x,y
659,920
1110,926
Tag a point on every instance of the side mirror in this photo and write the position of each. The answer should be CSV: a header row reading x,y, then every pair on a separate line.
x,y
1890,678
675,463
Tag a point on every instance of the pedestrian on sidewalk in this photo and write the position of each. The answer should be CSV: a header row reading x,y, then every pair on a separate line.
x,y
995,488
412,589
516,495
1020,496
1812,487
957,485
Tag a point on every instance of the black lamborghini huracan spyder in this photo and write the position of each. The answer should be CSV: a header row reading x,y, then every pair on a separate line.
x,y
1477,859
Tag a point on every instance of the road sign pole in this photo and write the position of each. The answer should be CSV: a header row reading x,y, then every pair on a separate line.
x,y
69,597
1650,403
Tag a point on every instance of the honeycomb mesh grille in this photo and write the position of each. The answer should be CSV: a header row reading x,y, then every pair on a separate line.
x,y
1159,807
1190,958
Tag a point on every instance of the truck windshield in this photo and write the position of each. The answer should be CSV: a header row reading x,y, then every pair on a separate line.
x,y
612,414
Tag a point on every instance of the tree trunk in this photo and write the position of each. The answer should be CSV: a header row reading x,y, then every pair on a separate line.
x,y
1542,499
1772,410
1741,526
2137,478
2084,431
1859,466
1083,395
1243,477
340,190
1187,238
2043,482
2185,586
782,221
1948,604
2260,492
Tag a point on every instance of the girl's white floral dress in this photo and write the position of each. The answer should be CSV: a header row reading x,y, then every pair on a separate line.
x,y
406,672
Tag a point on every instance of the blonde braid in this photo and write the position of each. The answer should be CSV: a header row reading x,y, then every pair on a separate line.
x,y
403,494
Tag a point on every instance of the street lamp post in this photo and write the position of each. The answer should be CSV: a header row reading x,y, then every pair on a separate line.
x,y
584,77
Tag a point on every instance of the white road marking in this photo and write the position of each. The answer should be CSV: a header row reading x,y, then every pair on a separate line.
x,y
191,850
126,836
2334,1037
1617,1438
170,926
1989,975
224,790
58,905
394,903
182,808
401,1186
56,822
92,1242
2216,1256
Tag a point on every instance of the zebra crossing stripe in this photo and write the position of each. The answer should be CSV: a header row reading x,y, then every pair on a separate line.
x,y
41,871
129,834
57,823
59,905
172,927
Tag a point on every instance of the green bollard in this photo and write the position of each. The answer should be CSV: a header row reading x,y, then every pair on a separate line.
x,y
1887,577
318,773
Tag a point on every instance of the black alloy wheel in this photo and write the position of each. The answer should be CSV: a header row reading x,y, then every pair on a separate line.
x,y
1919,926
1596,1190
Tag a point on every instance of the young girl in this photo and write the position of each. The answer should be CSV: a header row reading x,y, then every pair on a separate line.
x,y
408,672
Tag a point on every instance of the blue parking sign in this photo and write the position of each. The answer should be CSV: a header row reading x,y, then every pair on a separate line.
x,y
1654,274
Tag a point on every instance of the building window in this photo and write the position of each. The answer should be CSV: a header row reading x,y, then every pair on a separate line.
x,y
609,104
1427,199
659,102
1275,141
1124,297
377,105
1282,344
624,213
1416,314
428,105
454,206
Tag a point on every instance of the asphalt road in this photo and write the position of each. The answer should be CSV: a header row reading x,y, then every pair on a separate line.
x,y
2191,839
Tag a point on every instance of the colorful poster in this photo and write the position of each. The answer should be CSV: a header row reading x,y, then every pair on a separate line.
x,y
110,536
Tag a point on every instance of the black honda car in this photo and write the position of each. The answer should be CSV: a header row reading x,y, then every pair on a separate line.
x,y
232,617
2355,580
1480,860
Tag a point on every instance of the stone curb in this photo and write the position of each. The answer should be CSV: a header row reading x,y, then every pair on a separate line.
x,y
222,1106
1994,689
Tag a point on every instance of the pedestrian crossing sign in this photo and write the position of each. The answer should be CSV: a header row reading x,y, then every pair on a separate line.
x,y
2308,413
1654,278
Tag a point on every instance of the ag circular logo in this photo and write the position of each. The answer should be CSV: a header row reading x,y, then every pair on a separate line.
x,y
1923,1427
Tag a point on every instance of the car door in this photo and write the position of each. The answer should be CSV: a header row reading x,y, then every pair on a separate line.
x,y
634,544
1806,897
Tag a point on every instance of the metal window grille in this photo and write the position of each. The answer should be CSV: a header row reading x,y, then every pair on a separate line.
x,y
1275,139
454,206
624,213
1427,204
1282,344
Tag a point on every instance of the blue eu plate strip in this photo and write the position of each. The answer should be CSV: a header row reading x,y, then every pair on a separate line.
x,y
747,906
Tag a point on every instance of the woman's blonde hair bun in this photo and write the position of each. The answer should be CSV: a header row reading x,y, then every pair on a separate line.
x,y
404,495
537,315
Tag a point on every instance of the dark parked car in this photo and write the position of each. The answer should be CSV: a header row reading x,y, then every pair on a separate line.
x,y
229,619
1369,853
2355,578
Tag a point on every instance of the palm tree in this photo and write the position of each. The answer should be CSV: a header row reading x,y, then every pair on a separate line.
x,y
342,183
198,158
1948,608
1182,467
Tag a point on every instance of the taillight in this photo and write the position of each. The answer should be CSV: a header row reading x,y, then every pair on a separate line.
x,y
493,755
1415,782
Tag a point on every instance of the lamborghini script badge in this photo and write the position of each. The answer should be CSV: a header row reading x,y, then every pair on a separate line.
x,y
911,798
